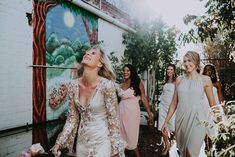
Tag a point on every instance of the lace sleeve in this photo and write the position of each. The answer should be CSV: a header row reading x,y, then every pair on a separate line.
x,y
118,90
67,136
117,144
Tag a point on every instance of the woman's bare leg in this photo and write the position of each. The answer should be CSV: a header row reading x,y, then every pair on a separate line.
x,y
136,152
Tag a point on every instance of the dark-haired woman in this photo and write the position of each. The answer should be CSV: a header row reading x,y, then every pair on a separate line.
x,y
165,101
210,71
131,91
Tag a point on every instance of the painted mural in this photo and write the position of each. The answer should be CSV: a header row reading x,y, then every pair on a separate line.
x,y
62,32
68,33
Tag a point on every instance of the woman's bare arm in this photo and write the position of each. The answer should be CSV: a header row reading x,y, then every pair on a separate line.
x,y
208,86
144,99
219,90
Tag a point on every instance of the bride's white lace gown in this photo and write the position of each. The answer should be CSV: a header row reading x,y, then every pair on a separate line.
x,y
99,128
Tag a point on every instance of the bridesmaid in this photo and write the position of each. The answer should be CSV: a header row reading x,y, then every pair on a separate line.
x,y
189,106
210,71
130,92
165,101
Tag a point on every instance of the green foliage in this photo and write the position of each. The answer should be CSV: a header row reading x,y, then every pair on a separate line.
x,y
49,59
59,59
64,53
63,50
219,19
66,41
151,47
70,61
225,141
52,43
117,66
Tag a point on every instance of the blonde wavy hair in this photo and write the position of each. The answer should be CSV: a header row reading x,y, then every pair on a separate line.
x,y
106,70
194,56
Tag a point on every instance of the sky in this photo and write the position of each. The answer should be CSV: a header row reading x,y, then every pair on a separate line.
x,y
172,13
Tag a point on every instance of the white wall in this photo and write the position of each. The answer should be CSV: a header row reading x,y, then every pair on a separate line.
x,y
15,56
112,37
16,49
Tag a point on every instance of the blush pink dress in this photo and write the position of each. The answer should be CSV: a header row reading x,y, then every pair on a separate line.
x,y
129,117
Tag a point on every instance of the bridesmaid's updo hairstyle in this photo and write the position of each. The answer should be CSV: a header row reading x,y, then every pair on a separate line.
x,y
135,79
194,56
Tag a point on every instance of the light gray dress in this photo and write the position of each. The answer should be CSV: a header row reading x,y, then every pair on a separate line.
x,y
165,101
190,132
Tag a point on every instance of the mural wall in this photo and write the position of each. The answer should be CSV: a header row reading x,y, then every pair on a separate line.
x,y
34,83
67,35
61,34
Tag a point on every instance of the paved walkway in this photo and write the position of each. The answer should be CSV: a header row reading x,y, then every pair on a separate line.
x,y
148,141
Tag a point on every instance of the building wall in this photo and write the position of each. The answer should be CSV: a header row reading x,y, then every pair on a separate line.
x,y
17,81
112,37
15,57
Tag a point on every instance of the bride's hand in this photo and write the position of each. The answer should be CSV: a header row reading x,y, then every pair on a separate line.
x,y
56,150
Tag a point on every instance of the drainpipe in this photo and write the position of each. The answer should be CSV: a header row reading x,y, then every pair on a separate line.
x,y
102,15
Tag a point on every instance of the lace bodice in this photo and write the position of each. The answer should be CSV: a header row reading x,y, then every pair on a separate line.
x,y
99,119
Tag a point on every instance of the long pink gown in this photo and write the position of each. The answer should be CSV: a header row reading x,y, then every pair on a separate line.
x,y
129,117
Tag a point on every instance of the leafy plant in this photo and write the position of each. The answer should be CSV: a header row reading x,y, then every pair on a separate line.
x,y
225,141
218,20
117,66
150,48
